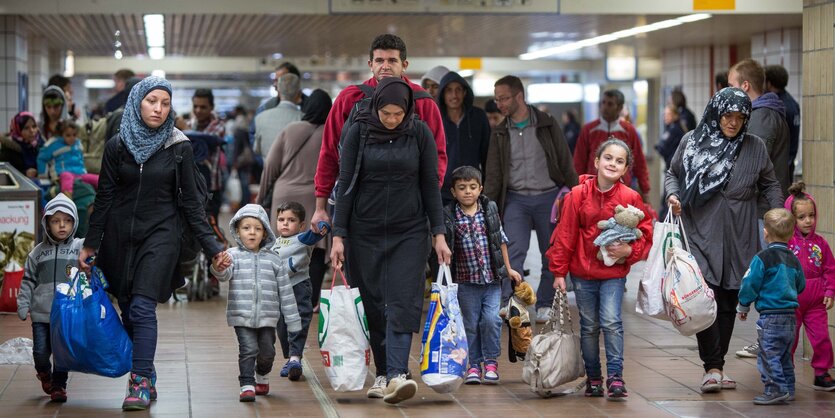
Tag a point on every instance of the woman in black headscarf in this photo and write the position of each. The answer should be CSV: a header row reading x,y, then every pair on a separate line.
x,y
134,228
388,183
714,180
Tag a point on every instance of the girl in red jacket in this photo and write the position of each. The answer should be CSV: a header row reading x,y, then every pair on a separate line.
x,y
598,288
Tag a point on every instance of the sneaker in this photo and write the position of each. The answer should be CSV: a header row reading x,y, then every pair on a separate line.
x,y
542,315
58,394
749,351
824,383
791,397
491,373
285,370
294,370
378,389
776,398
247,393
594,388
153,389
616,387
46,382
399,389
262,385
138,397
473,376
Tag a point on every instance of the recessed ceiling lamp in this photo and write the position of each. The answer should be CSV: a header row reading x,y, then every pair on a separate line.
x,y
155,35
597,40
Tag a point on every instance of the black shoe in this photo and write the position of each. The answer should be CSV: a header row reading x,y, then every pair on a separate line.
x,y
594,388
616,387
824,383
776,398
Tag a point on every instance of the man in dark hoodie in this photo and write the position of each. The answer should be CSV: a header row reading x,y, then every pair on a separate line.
x,y
466,127
776,79
768,118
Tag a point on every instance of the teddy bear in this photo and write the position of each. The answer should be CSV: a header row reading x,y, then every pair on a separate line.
x,y
518,320
621,227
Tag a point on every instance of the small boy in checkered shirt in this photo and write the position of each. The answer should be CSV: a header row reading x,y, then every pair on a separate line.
x,y
479,264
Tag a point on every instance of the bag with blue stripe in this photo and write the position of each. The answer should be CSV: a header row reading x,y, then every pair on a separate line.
x,y
444,352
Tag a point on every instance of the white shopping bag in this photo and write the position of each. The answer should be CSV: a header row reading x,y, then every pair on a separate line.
x,y
443,358
343,336
665,236
689,302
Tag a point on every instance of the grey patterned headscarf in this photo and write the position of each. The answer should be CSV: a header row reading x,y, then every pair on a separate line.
x,y
709,155
140,140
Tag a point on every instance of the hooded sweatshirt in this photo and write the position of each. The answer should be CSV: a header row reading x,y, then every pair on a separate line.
x,y
435,74
259,289
47,264
42,125
467,140
572,243
813,252
768,121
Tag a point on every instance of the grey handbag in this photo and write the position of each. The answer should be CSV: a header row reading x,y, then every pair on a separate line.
x,y
554,357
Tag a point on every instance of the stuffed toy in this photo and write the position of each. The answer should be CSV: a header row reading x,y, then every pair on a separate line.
x,y
518,321
621,227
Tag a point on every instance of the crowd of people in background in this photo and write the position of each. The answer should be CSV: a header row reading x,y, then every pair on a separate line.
x,y
392,165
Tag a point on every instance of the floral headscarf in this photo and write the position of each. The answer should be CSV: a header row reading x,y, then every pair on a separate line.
x,y
140,140
16,128
709,155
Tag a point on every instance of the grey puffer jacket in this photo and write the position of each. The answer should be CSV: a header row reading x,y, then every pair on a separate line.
x,y
47,264
259,289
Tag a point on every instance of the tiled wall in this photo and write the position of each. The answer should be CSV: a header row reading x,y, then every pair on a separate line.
x,y
781,47
817,116
13,61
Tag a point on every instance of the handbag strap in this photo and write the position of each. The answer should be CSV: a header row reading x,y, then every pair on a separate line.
x,y
560,312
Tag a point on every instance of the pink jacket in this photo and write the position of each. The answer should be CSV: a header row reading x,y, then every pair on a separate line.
x,y
813,252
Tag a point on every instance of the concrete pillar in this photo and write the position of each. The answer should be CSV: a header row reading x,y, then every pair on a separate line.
x,y
13,68
38,66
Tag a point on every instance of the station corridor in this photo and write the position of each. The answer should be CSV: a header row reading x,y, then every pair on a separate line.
x,y
197,367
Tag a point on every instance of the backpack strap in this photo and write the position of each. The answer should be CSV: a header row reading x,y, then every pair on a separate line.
x,y
363,140
367,90
423,94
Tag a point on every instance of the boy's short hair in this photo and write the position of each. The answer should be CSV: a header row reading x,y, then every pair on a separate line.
x,y
295,207
67,124
779,223
466,173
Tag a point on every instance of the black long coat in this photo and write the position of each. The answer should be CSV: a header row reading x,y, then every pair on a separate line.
x,y
134,225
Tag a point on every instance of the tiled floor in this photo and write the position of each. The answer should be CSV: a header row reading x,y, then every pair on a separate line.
x,y
197,366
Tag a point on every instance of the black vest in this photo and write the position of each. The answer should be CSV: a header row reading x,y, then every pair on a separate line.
x,y
494,235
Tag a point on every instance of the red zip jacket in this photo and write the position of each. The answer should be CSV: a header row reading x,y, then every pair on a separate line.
x,y
327,170
572,243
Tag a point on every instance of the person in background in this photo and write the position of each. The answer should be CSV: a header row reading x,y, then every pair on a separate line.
x,y
776,79
21,146
53,105
721,80
570,129
668,144
64,154
203,119
119,99
73,112
688,119
494,115
431,81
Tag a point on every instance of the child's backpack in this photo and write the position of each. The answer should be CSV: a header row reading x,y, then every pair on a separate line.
x,y
359,107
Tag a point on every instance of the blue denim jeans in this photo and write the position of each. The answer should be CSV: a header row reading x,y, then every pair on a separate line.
x,y
523,213
775,333
42,350
599,303
480,311
139,316
292,343
256,353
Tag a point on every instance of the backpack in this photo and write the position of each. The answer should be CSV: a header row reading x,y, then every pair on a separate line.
x,y
361,106
96,134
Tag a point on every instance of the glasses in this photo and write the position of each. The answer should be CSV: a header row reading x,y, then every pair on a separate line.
x,y
505,99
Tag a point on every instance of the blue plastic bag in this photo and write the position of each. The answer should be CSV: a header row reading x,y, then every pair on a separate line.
x,y
87,334
444,350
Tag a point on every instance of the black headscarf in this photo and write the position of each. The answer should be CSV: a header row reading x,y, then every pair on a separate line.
x,y
391,90
317,107
709,155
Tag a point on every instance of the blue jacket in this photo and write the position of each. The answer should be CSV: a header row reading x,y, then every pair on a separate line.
x,y
67,157
773,280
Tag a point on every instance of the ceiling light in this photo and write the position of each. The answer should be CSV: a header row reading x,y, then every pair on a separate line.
x,y
99,83
158,73
117,54
554,93
156,53
466,73
69,64
597,40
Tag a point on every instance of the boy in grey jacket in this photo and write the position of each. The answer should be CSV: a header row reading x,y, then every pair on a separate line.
x,y
295,248
259,292
45,267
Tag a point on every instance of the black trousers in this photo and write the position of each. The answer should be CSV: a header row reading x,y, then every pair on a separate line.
x,y
714,341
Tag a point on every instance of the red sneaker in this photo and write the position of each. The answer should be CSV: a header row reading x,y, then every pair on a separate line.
x,y
58,394
247,394
46,382
262,389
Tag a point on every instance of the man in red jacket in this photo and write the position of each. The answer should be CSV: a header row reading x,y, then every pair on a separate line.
x,y
608,125
387,58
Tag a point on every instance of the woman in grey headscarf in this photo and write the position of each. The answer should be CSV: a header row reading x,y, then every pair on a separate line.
x,y
135,227
714,180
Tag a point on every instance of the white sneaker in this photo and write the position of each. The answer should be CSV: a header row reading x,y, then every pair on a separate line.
x,y
749,351
542,315
399,389
378,389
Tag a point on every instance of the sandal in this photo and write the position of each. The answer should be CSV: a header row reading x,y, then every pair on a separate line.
x,y
711,383
727,382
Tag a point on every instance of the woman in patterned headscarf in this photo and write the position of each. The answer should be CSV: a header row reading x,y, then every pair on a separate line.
x,y
20,148
135,227
713,182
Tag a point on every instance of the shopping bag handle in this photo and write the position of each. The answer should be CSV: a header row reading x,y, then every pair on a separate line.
x,y
680,225
560,312
443,272
341,275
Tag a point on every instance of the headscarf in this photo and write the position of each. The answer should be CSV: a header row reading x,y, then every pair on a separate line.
x,y
16,128
391,90
140,140
317,107
709,155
